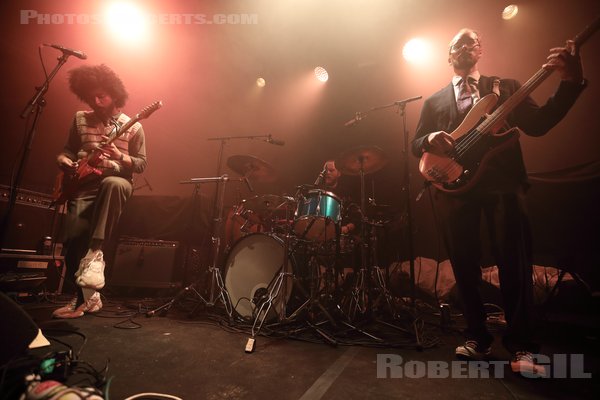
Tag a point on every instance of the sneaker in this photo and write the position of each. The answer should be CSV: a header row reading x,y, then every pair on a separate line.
x,y
472,351
92,305
67,309
524,363
91,272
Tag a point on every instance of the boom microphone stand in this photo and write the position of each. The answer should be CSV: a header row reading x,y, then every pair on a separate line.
x,y
35,105
380,281
401,108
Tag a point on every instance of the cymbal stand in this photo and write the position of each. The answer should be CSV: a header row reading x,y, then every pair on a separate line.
x,y
359,298
217,292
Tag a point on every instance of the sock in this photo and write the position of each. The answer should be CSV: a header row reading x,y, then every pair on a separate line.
x,y
87,293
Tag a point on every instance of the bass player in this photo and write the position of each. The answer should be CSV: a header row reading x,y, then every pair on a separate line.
x,y
498,194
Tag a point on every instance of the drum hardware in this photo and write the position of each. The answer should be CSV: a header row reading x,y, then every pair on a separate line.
x,y
280,289
400,107
217,291
362,161
276,289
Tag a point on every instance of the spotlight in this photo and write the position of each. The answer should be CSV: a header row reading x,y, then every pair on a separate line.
x,y
321,74
416,51
126,21
260,82
510,12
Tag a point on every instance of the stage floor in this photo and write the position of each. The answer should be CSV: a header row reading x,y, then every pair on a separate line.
x,y
202,355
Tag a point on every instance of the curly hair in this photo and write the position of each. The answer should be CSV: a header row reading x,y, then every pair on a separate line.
x,y
85,79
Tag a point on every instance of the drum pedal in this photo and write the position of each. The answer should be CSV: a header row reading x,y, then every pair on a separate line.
x,y
250,345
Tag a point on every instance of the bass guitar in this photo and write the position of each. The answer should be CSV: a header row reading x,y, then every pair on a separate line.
x,y
479,135
67,184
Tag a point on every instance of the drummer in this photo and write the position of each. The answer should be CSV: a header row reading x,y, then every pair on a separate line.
x,y
331,183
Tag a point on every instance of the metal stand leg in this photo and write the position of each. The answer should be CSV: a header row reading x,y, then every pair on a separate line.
x,y
218,292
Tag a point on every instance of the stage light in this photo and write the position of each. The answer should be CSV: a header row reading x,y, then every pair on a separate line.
x,y
321,74
260,82
416,51
510,11
126,21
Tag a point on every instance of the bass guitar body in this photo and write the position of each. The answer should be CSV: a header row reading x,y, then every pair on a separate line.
x,y
459,171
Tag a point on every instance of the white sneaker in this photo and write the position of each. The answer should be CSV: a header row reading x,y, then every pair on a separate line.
x,y
471,350
524,363
91,271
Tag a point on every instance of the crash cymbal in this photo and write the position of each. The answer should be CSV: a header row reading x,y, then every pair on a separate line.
x,y
253,168
370,158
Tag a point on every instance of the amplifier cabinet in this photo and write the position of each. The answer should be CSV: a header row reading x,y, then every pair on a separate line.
x,y
145,263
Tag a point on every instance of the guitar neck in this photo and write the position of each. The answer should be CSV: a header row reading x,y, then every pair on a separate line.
x,y
123,129
509,105
513,101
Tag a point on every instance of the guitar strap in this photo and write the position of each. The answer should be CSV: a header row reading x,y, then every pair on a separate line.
x,y
496,85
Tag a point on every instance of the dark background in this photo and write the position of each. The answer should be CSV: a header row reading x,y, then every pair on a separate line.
x,y
205,74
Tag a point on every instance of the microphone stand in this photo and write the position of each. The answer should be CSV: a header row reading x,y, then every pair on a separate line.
x,y
36,105
401,109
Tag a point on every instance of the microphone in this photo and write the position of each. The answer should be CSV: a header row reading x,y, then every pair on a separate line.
x,y
321,176
355,120
274,141
71,52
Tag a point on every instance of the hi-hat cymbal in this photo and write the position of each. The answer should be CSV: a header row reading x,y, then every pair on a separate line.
x,y
368,158
269,202
253,168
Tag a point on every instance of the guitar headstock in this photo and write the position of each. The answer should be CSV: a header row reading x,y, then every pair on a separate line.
x,y
148,110
589,30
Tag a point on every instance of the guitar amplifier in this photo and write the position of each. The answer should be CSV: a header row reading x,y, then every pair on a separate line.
x,y
33,218
145,263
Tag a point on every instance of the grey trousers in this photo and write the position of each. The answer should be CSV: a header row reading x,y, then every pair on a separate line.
x,y
93,216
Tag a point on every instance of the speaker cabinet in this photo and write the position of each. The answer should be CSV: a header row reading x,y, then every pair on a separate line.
x,y
145,263
33,218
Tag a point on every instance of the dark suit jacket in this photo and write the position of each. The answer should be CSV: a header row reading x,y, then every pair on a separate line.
x,y
505,171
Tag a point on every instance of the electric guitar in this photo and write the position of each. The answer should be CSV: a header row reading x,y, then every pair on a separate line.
x,y
67,184
478,137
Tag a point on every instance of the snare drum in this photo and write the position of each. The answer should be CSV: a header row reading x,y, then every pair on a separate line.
x,y
318,216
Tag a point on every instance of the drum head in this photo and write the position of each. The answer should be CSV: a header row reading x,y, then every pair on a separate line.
x,y
251,269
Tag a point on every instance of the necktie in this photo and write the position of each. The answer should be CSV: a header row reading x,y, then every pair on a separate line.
x,y
465,98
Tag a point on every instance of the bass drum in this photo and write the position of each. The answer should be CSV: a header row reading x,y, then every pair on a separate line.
x,y
252,265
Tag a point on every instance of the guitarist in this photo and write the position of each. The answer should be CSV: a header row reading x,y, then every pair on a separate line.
x,y
94,209
497,196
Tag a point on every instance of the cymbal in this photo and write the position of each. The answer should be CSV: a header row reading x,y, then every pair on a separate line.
x,y
269,202
253,168
371,158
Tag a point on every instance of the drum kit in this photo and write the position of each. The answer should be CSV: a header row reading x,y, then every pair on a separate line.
x,y
281,254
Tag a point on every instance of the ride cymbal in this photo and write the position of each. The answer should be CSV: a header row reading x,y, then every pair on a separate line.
x,y
369,159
